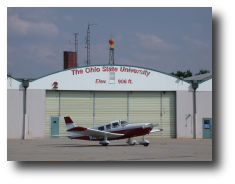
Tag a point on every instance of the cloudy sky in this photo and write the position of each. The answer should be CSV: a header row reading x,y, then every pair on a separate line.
x,y
164,39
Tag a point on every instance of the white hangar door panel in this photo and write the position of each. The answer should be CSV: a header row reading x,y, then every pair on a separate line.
x,y
145,107
52,108
79,106
110,106
168,114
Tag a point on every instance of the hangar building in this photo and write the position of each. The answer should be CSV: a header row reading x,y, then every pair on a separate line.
x,y
93,95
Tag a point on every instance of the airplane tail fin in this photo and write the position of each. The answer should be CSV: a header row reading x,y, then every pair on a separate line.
x,y
69,123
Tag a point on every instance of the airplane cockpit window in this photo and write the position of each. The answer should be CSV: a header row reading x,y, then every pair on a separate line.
x,y
101,128
124,123
115,125
108,127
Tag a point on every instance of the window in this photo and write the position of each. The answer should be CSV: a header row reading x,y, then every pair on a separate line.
x,y
115,125
206,121
101,128
124,123
108,127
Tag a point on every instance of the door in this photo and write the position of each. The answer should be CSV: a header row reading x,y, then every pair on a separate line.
x,y
110,106
55,128
145,107
79,106
168,114
207,128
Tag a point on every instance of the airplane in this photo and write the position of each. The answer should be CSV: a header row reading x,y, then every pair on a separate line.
x,y
114,130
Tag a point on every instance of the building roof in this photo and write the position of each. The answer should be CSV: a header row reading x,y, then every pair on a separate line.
x,y
202,77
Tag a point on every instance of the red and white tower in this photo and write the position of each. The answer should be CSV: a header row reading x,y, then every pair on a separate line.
x,y
111,52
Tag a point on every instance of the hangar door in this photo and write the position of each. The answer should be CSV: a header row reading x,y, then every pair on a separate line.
x,y
79,106
145,107
110,106
76,104
95,108
168,114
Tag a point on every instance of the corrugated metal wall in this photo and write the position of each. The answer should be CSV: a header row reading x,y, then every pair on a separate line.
x,y
79,106
110,106
95,108
145,107
168,114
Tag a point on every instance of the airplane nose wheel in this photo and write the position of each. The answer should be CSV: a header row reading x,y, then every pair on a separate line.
x,y
144,142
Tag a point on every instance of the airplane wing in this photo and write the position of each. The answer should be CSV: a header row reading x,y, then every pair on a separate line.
x,y
93,132
156,130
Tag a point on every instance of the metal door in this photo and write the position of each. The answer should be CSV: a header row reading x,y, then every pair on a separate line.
x,y
79,106
55,126
110,106
207,128
145,107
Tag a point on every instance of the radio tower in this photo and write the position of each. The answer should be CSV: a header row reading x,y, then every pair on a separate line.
x,y
88,62
76,46
111,52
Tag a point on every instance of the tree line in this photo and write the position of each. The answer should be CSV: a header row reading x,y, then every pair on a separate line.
x,y
188,73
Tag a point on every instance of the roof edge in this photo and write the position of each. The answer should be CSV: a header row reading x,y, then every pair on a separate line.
x,y
205,80
109,65
19,80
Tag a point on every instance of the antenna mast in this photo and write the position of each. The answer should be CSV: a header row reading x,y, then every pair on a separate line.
x,y
76,46
88,62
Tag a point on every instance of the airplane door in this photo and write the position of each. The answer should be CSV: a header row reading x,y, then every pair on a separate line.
x,y
55,126
116,127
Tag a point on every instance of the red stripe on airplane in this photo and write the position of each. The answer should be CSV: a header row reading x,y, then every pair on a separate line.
x,y
77,129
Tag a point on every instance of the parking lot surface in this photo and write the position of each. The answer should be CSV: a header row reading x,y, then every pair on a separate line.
x,y
117,150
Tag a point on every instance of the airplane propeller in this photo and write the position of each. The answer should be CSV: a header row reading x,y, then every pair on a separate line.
x,y
150,125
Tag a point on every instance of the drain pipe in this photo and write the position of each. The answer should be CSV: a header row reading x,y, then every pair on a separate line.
x,y
25,85
195,86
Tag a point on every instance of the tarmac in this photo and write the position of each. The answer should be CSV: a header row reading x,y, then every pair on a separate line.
x,y
117,150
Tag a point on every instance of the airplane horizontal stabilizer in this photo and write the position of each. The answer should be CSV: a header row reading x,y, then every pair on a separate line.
x,y
156,130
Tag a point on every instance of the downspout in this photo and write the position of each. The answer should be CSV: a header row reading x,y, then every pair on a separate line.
x,y
195,86
25,85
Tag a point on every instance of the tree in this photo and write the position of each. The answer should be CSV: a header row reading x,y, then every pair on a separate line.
x,y
182,74
202,72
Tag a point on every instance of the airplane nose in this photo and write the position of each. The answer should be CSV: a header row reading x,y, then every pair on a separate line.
x,y
149,125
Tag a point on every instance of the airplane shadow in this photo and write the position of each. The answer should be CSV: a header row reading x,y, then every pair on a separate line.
x,y
79,145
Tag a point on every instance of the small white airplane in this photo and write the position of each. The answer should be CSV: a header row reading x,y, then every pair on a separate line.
x,y
117,129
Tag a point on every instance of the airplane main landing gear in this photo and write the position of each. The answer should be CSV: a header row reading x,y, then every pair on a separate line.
x,y
131,142
144,142
105,142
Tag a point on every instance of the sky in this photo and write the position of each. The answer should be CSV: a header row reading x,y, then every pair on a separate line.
x,y
163,39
